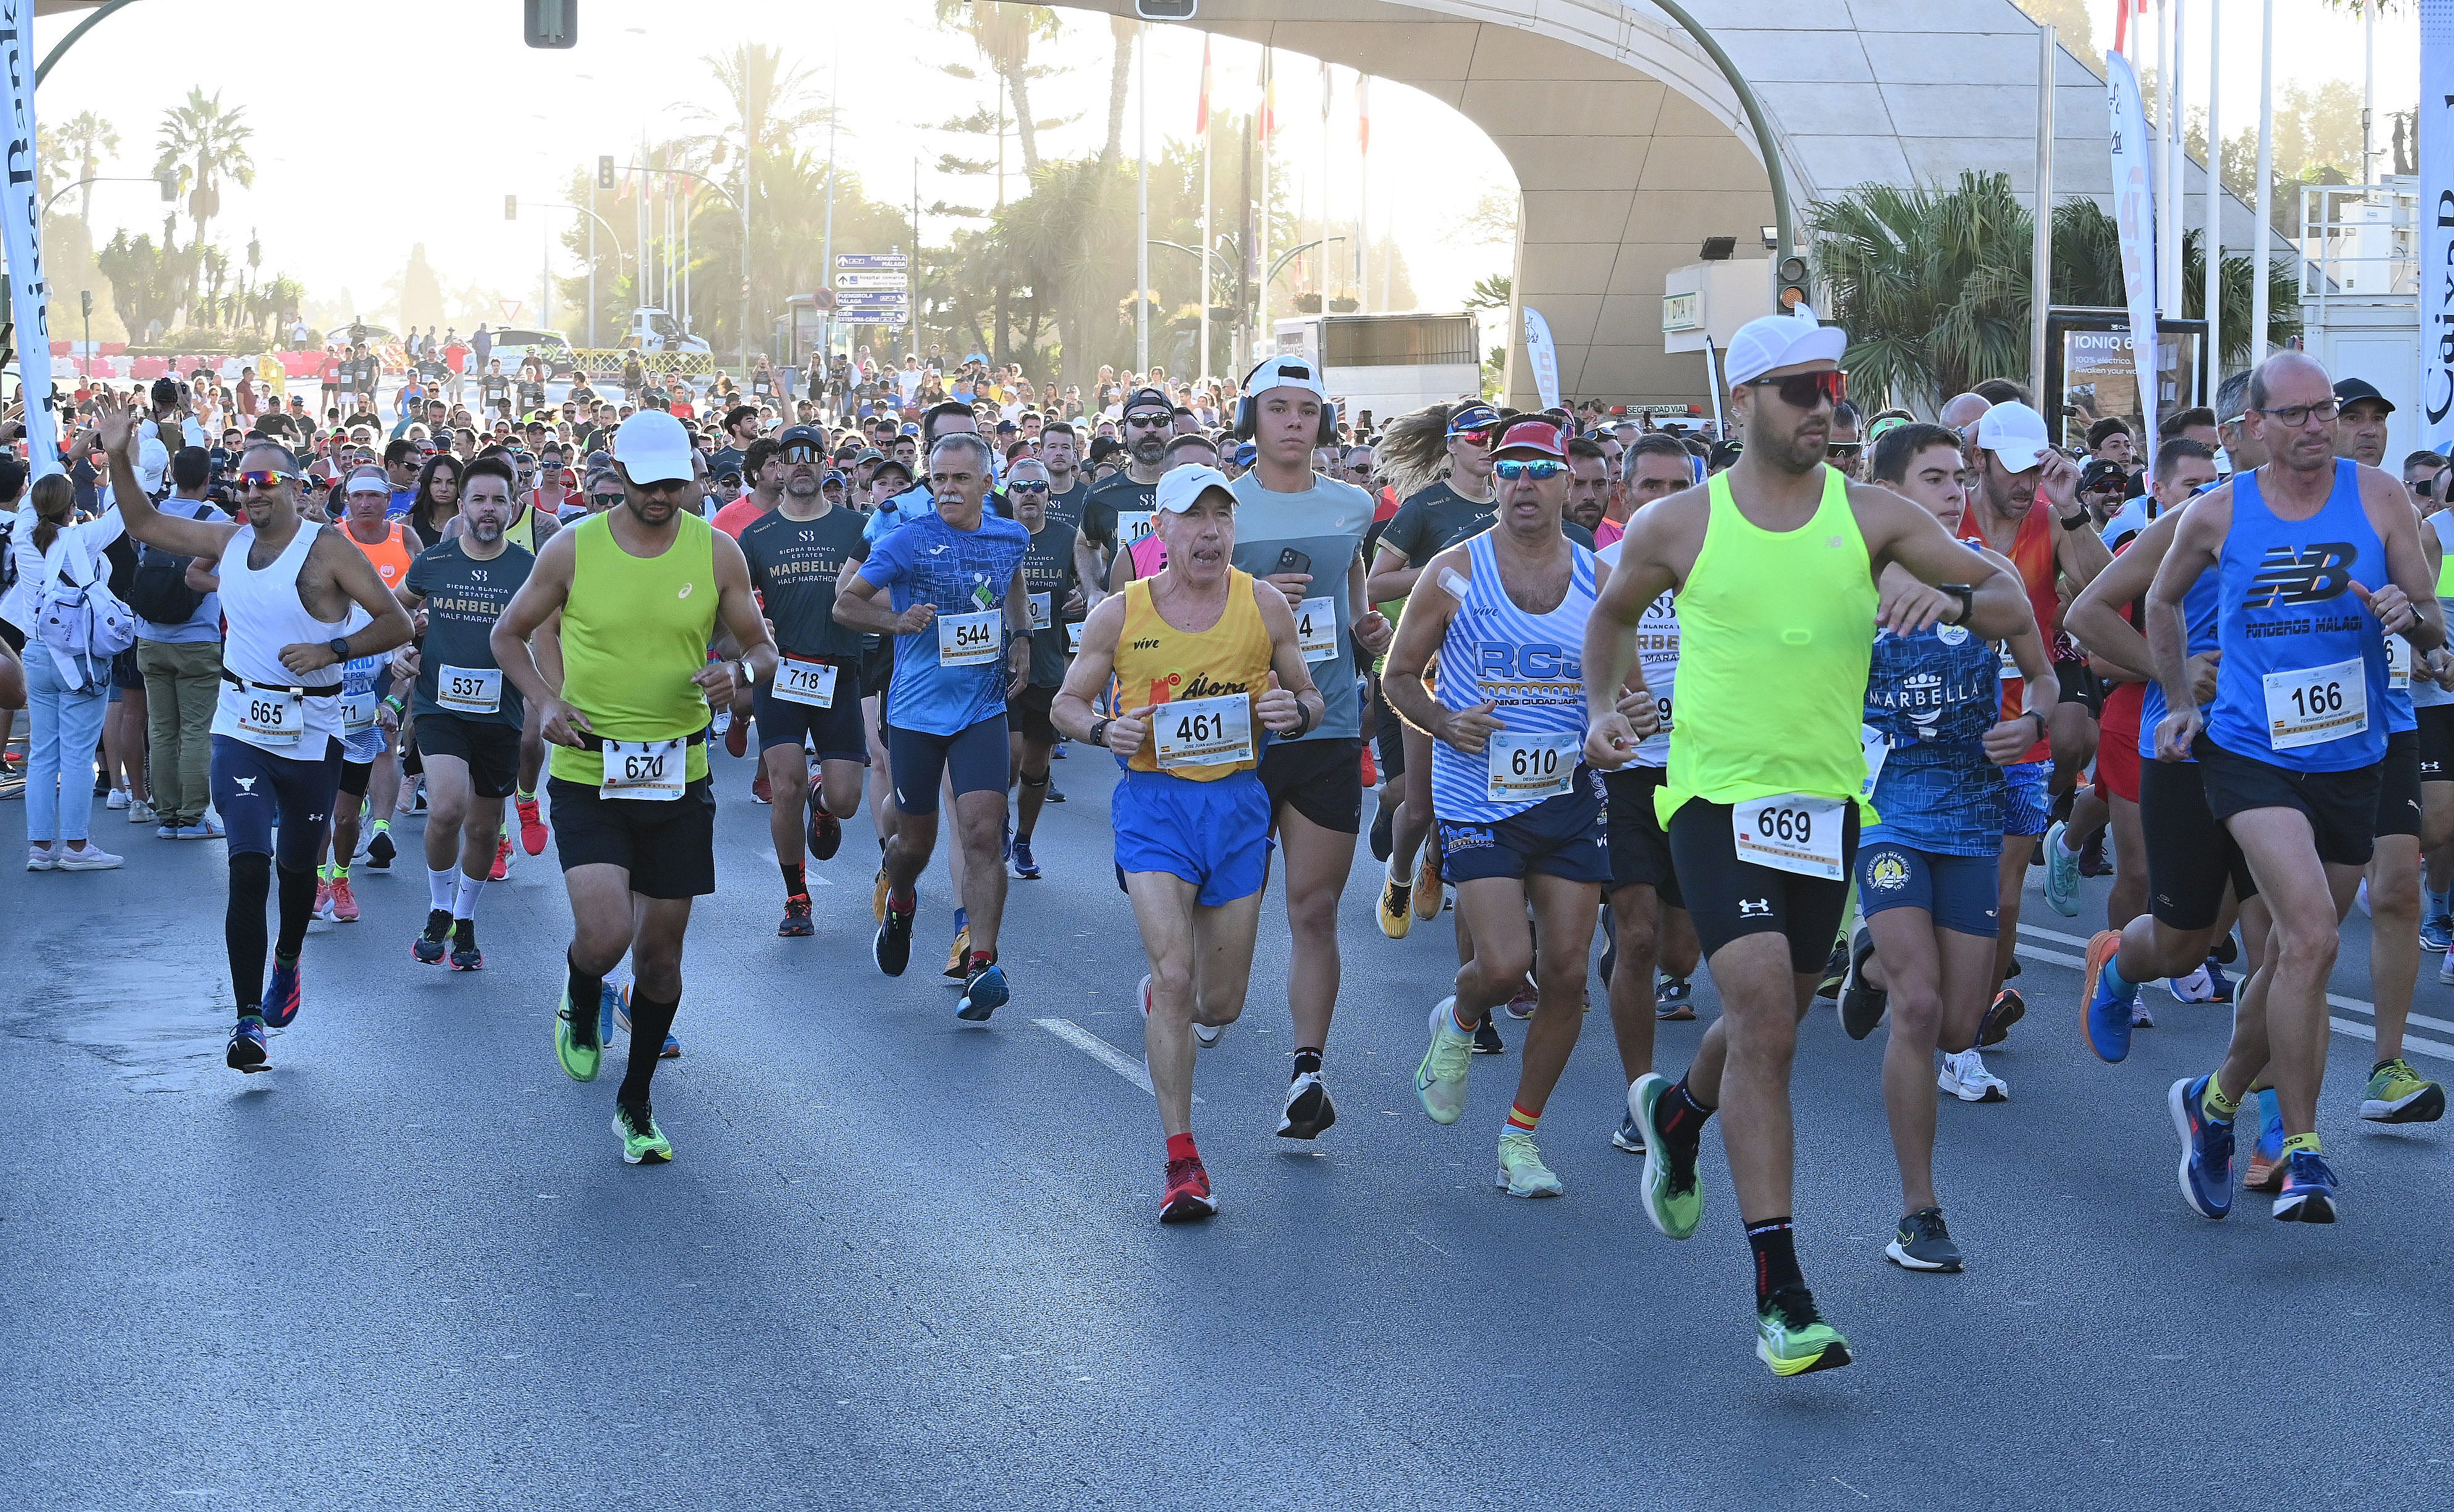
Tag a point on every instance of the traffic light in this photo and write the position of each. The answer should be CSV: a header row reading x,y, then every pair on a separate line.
x,y
553,23
1165,10
605,172
1792,291
511,207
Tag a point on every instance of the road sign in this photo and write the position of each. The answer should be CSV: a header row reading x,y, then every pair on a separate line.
x,y
868,280
895,303
873,296
897,261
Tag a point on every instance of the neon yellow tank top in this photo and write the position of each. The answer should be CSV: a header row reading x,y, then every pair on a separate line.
x,y
1157,663
634,630
1776,629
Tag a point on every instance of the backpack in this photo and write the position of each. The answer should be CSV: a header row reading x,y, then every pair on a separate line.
x,y
82,620
159,592
7,554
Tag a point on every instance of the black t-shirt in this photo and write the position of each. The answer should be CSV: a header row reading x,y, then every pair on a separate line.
x,y
1436,519
794,565
1069,506
728,459
1048,568
495,385
1120,495
464,598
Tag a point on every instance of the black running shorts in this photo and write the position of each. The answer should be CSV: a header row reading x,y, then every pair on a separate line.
x,y
1323,779
2190,857
667,846
490,748
1730,899
2341,807
1639,848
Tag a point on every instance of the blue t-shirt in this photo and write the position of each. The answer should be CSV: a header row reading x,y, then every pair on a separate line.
x,y
911,504
1933,695
957,572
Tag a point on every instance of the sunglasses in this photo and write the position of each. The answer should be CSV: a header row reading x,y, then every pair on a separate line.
x,y
1026,488
605,501
265,480
1845,449
801,451
1150,422
1539,472
1801,391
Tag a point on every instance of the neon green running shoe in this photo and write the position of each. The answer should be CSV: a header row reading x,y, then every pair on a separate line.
x,y
1521,1171
580,1062
643,1143
1673,1199
1794,1340
1440,1081
2397,1094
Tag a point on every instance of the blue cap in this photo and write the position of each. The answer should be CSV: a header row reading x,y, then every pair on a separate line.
x,y
1246,454
1476,416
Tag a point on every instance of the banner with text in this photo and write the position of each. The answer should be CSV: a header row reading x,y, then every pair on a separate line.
x,y
2134,214
2436,125
21,236
1545,357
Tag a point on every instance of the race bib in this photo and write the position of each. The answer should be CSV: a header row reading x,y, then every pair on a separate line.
x,y
1131,528
2397,663
1524,767
1791,833
469,689
1043,611
809,682
1877,746
1203,731
645,768
271,716
2315,704
968,640
358,712
1317,629
1074,637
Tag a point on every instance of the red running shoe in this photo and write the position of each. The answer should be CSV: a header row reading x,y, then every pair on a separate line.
x,y
1188,1192
736,737
758,787
502,860
532,827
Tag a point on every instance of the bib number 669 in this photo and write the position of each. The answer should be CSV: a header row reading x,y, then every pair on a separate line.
x,y
1793,827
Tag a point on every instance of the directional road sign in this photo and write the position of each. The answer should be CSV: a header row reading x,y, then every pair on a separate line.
x,y
897,261
869,280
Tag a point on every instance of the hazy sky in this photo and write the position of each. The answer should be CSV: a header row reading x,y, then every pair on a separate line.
x,y
377,135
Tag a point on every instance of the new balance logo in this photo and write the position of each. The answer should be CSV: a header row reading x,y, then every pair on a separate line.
x,y
2311,575
1754,908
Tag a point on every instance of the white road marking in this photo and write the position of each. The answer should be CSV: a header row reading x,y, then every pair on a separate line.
x,y
1131,1068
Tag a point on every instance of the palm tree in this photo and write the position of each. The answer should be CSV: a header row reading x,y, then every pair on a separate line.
x,y
767,104
203,144
1054,237
1004,33
88,140
1120,73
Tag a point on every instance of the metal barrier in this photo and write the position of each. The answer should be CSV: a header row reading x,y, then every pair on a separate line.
x,y
610,360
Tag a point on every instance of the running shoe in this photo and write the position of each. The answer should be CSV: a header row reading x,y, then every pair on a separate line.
x,y
2311,1194
1609,961
167,832
983,994
2062,871
1384,822
429,946
1026,865
2437,932
1836,967
825,830
1521,1171
1308,1109
2397,1094
580,1062
465,954
796,917
2445,968
2141,1017
670,1050
2208,983
345,904
1427,878
1204,1035
1630,1136
643,1142
323,900
1522,1004
736,738
117,800
1440,1081
1861,1005
282,995
877,894
2104,1015
1396,910
246,1050
1055,794
380,849
1922,1243
141,812
891,948
609,1002
1673,1198
760,789
958,955
1674,1001
502,861
93,858
2008,1008
2265,1173
1792,1337
1964,1076
1188,1192
2206,1149
1487,1040
2091,857
208,828
533,834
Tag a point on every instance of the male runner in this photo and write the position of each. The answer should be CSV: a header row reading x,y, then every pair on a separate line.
x,y
1520,817
1118,511
642,591
390,545
1069,491
1201,653
287,591
1761,797
961,622
2316,560
795,554
1055,598
468,720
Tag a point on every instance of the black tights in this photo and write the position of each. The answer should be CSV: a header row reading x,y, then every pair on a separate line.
x,y
251,884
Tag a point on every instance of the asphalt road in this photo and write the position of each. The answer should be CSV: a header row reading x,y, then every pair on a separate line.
x,y
900,1263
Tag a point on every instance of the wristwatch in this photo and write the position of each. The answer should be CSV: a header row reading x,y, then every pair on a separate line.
x,y
2072,522
1964,594
749,674
1099,731
339,648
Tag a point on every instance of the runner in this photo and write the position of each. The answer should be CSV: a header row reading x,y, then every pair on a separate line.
x,y
961,621
1926,871
2290,750
1758,799
1201,653
390,545
1520,816
1055,600
641,592
795,553
287,591
467,722
1118,511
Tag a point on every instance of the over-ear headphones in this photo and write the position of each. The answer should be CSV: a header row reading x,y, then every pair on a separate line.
x,y
1281,372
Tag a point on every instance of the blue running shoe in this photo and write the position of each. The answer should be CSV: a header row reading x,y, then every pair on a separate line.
x,y
2309,1190
2206,1149
609,998
1025,865
983,994
2105,1011
282,995
246,1050
2437,931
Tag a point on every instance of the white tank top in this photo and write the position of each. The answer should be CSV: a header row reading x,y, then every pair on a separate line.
x,y
264,614
1656,646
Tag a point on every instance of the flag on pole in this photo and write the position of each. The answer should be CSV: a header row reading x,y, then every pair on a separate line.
x,y
1362,113
2134,210
1268,124
1324,90
2123,11
1202,110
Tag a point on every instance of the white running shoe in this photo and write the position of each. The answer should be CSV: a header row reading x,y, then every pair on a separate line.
x,y
2446,970
1965,1077
41,858
93,858
1521,1171
2196,987
117,800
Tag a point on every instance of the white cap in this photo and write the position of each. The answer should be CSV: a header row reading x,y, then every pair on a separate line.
x,y
1780,341
1285,372
653,448
2015,433
1180,486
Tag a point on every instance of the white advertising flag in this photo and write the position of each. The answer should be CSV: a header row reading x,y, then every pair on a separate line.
x,y
2437,220
1544,356
2134,214
21,236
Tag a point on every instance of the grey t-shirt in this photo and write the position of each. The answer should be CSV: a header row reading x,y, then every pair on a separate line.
x,y
1327,523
